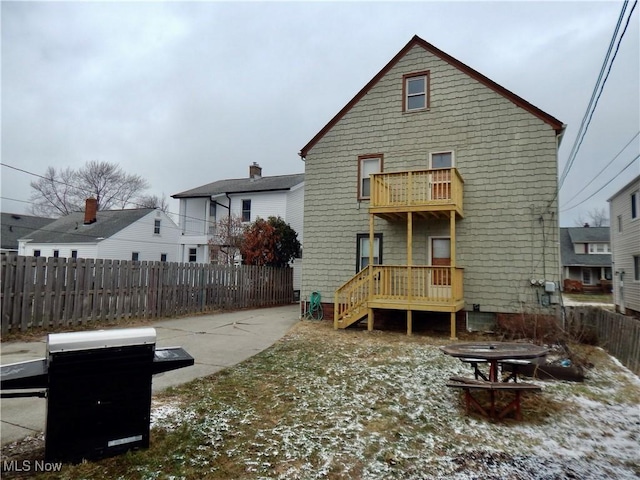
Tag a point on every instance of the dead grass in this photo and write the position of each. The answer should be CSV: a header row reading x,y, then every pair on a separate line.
x,y
352,404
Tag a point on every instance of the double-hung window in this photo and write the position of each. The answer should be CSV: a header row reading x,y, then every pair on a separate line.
x,y
156,227
367,164
193,255
634,205
415,91
246,210
362,247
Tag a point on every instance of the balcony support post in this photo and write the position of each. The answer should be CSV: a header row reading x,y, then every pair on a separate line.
x,y
453,326
409,322
371,291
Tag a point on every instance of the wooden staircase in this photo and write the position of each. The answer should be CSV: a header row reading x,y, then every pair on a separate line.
x,y
351,300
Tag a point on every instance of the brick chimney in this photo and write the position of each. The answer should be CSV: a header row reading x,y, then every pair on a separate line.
x,y
90,211
255,171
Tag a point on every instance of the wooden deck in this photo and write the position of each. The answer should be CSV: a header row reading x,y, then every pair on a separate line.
x,y
425,192
399,287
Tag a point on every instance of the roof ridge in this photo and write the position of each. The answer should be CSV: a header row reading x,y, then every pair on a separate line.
x,y
416,40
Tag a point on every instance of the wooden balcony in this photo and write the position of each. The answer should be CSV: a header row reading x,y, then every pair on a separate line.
x,y
436,192
398,287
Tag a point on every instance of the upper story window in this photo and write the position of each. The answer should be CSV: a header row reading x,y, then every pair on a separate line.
x,y
634,205
441,160
212,211
367,164
599,248
156,227
246,210
415,91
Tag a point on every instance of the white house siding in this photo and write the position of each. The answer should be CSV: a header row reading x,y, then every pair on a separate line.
x,y
193,212
84,250
506,156
263,204
139,237
294,215
624,245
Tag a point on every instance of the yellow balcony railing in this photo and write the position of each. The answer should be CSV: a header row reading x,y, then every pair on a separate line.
x,y
414,287
434,188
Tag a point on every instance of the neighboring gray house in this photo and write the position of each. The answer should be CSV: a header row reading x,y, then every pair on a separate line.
x,y
624,209
133,234
433,191
586,257
17,225
202,208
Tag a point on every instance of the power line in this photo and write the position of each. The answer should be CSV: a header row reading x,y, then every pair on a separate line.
x,y
600,189
603,169
597,91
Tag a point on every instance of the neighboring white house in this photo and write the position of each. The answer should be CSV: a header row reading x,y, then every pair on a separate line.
x,y
624,209
201,209
134,234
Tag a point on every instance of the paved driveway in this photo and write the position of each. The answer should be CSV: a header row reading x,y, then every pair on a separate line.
x,y
215,341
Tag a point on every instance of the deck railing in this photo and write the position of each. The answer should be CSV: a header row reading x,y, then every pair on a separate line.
x,y
417,188
400,285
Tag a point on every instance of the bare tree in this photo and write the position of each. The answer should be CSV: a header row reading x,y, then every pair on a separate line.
x,y
226,240
55,193
597,217
62,192
153,201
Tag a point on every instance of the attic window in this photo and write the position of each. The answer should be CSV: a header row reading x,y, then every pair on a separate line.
x,y
415,91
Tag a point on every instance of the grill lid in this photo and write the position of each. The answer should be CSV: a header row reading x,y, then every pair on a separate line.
x,y
120,337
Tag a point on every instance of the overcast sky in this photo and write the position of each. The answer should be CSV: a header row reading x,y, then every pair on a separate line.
x,y
184,94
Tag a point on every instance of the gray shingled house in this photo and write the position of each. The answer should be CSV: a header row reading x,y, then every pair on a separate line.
x,y
586,258
433,191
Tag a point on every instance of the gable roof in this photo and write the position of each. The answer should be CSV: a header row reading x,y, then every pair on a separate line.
x,y
589,235
556,124
568,255
16,225
244,185
71,228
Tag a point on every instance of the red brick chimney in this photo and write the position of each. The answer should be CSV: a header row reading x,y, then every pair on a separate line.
x,y
255,171
90,211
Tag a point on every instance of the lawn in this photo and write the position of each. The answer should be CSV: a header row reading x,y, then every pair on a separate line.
x,y
373,405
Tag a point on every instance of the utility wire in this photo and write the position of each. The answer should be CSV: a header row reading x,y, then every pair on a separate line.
x,y
139,205
595,95
603,169
600,189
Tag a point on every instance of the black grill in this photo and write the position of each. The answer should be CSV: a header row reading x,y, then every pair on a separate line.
x,y
98,389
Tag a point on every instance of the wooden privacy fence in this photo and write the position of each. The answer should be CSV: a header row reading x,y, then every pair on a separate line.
x,y
618,334
50,292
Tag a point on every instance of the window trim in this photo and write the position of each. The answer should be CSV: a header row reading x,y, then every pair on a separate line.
x,y
195,255
248,211
440,152
156,226
427,93
635,204
365,236
593,248
361,159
